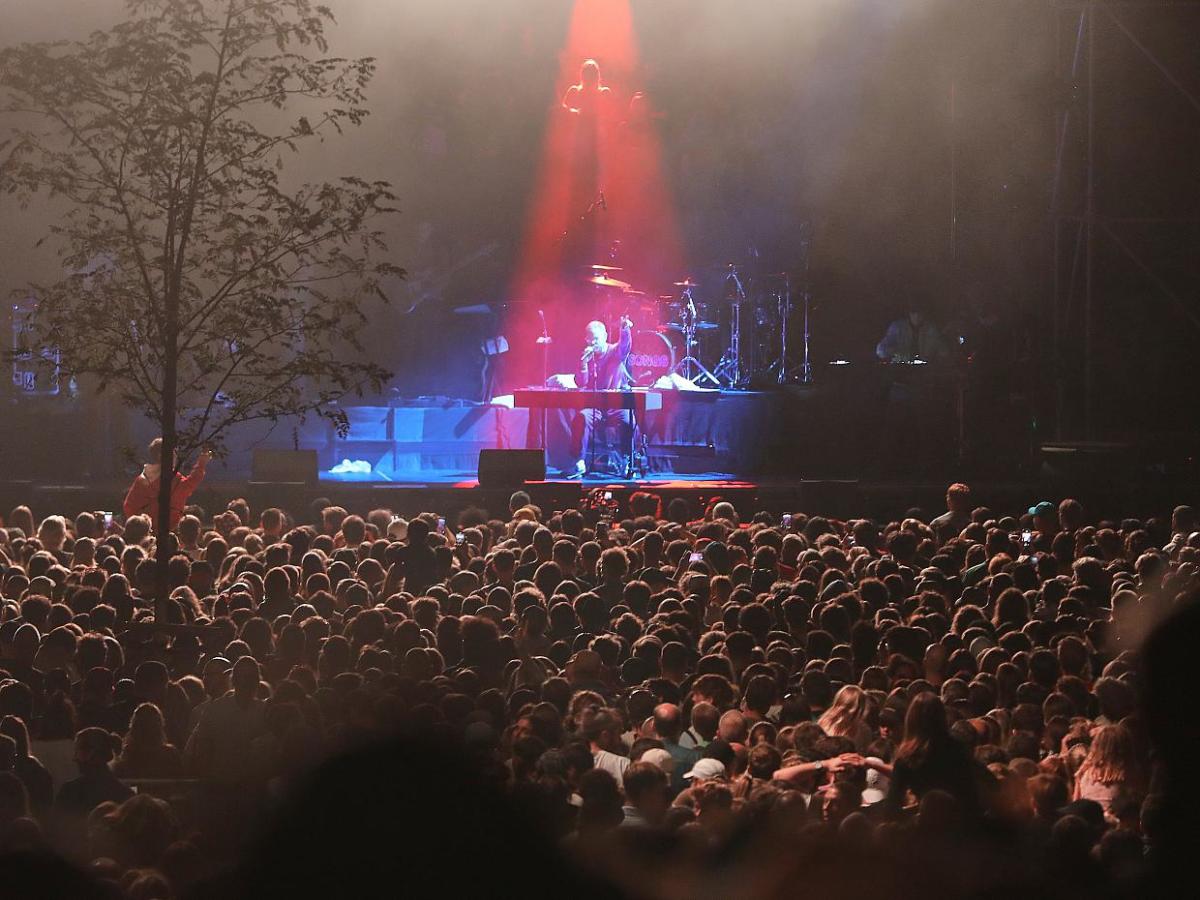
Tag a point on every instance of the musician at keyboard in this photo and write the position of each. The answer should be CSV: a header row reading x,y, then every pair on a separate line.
x,y
602,368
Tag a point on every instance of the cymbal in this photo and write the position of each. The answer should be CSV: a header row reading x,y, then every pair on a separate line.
x,y
605,281
599,268
633,293
699,326
687,282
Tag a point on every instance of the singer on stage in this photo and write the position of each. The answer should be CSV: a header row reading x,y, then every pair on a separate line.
x,y
602,368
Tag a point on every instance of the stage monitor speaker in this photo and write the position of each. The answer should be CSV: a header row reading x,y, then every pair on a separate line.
x,y
285,465
511,468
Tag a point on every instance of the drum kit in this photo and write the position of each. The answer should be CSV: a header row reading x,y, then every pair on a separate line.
x,y
724,330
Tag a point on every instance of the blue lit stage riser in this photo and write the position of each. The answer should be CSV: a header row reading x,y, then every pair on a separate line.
x,y
691,434
826,431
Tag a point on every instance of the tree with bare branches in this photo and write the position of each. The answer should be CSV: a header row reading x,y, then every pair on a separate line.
x,y
204,288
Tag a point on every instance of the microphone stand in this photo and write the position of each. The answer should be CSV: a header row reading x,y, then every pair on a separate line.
x,y
784,375
806,370
739,378
594,424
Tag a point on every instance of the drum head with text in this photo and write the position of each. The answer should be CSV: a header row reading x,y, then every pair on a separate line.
x,y
652,357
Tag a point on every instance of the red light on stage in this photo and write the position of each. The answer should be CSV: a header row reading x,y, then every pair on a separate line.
x,y
599,200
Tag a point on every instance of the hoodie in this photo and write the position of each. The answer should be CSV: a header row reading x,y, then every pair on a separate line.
x,y
142,498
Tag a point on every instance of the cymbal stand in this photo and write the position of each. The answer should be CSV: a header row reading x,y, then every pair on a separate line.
x,y
783,364
785,314
806,369
690,366
730,367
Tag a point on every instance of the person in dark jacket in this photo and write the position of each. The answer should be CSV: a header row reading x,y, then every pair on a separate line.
x,y
96,783
930,759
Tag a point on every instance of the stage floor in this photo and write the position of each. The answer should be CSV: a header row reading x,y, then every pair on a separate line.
x,y
695,435
468,479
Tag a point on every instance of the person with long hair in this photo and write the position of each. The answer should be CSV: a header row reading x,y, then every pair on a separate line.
x,y
1110,773
140,830
14,801
22,517
39,784
847,717
930,759
54,737
145,752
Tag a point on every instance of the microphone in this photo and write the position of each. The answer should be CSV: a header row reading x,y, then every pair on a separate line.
x,y
737,282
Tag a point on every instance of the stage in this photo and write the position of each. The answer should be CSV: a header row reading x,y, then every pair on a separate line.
x,y
841,429
850,424
697,434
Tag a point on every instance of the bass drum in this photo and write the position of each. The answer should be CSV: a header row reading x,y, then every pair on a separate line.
x,y
652,357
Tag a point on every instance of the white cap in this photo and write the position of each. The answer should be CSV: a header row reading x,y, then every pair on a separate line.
x,y
706,769
657,756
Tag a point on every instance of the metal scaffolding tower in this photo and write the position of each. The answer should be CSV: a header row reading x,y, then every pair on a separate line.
x,y
1082,230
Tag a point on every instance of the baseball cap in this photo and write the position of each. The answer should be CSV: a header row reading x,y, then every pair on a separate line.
x,y
980,646
1044,508
661,758
706,769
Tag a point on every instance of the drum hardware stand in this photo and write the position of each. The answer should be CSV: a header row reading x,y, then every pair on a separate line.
x,y
637,465
806,370
785,317
690,363
783,366
784,375
730,367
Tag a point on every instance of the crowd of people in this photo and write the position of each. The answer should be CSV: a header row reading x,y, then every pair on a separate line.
x,y
668,698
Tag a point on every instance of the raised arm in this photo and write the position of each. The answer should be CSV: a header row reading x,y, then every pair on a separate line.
x,y
193,479
625,341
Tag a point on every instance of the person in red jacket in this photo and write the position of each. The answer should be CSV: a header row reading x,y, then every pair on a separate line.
x,y
142,498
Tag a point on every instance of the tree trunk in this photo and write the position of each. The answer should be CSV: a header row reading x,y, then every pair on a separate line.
x,y
162,549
